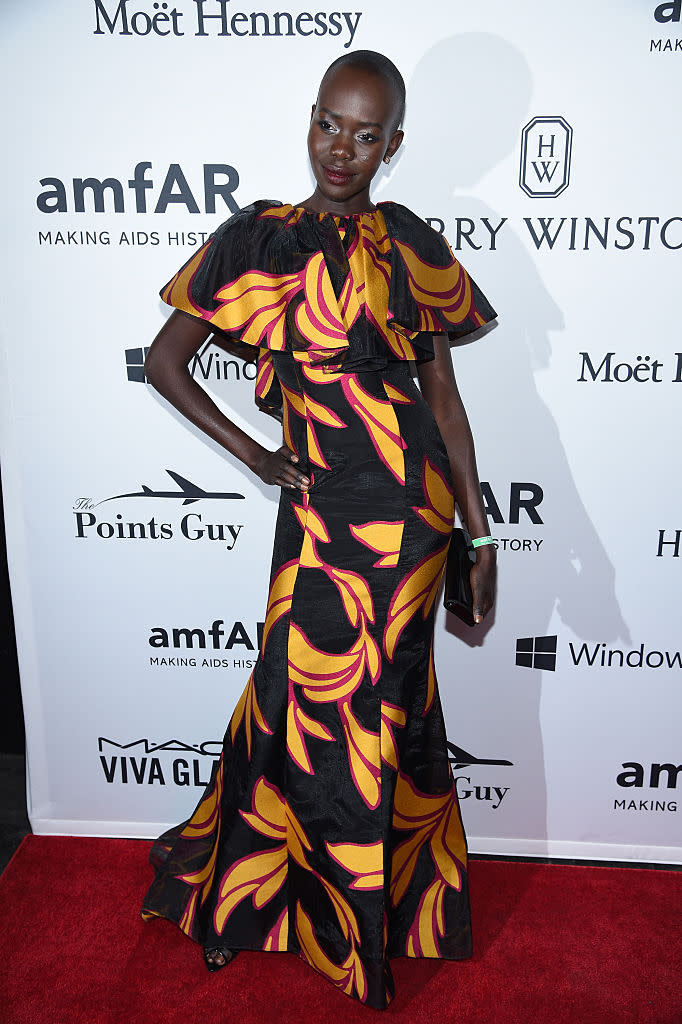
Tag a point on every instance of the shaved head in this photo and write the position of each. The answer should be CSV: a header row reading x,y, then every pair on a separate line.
x,y
374,63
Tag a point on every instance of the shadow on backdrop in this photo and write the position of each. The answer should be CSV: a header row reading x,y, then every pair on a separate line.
x,y
468,100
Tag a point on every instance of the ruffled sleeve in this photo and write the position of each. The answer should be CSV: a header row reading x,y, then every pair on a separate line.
x,y
430,291
233,283
264,284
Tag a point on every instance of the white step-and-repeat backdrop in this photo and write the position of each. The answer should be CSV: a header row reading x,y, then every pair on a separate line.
x,y
545,143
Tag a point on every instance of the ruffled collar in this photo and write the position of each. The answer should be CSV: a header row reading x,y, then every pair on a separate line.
x,y
277,276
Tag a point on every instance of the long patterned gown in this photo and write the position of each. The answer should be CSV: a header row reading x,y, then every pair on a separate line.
x,y
330,827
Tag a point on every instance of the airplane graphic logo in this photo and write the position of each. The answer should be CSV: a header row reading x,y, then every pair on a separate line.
x,y
461,759
188,492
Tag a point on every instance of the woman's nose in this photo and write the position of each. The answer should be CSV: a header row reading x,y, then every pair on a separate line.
x,y
342,147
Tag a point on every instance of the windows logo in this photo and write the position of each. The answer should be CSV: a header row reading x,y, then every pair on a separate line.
x,y
135,358
537,652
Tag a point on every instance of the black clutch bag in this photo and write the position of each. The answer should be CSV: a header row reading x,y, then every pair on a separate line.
x,y
457,596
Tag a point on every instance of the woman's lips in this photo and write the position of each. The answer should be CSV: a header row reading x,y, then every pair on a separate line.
x,y
336,177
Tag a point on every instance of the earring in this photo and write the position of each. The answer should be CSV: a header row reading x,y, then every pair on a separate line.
x,y
387,159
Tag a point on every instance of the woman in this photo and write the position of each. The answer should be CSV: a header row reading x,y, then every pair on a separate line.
x,y
330,826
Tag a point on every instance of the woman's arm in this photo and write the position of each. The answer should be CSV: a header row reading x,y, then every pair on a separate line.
x,y
166,370
439,388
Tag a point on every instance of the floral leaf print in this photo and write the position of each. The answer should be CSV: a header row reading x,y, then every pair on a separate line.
x,y
298,723
433,819
279,597
357,600
367,286
206,819
347,976
204,822
352,587
255,305
268,811
429,921
278,936
430,682
396,396
447,290
308,410
381,424
364,756
439,511
259,875
317,318
248,710
265,374
343,910
416,590
364,860
321,374
383,537
283,212
314,530
448,851
391,717
327,677
262,874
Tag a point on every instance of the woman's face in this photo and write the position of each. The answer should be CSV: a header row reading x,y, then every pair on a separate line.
x,y
351,131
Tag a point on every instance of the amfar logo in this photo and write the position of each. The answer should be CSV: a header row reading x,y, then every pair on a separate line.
x,y
545,157
637,776
136,766
217,637
207,365
668,12
175,190
459,758
537,652
524,499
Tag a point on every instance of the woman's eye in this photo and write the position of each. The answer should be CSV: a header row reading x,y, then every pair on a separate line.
x,y
326,126
367,137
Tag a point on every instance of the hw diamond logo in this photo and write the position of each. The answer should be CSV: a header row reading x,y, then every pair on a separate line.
x,y
545,157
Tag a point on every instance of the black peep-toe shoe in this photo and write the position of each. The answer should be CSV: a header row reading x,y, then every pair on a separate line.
x,y
228,956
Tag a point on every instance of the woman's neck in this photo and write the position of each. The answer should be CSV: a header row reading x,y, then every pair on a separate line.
x,y
319,203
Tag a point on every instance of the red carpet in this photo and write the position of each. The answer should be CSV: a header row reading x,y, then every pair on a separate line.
x,y
554,944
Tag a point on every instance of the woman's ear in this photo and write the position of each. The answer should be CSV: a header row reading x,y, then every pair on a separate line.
x,y
312,111
395,143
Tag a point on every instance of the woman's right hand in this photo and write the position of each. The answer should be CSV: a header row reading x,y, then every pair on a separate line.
x,y
280,468
166,369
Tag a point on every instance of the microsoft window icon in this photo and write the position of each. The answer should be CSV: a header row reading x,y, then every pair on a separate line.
x,y
537,652
135,358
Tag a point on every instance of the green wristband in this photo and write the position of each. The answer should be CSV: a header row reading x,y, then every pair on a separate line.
x,y
480,541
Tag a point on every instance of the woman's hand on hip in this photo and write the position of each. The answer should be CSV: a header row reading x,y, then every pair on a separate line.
x,y
280,468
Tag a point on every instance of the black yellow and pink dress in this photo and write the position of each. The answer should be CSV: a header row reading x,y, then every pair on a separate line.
x,y
330,827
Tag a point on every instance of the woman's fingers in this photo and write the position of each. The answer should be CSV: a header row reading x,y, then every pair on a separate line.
x,y
280,468
289,475
483,589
